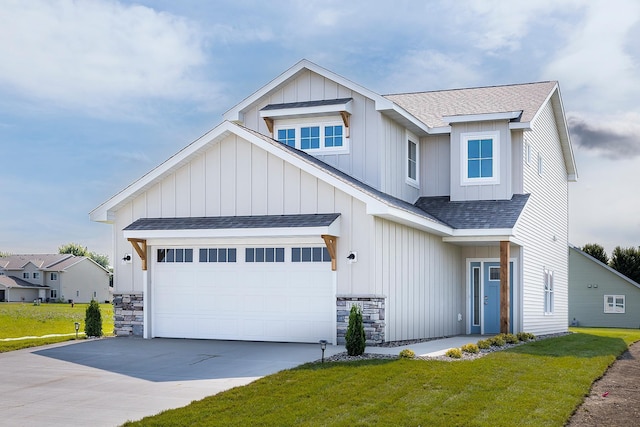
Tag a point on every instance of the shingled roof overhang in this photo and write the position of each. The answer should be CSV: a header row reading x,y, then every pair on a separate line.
x,y
235,226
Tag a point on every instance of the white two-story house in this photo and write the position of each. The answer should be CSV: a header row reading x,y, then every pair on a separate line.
x,y
439,213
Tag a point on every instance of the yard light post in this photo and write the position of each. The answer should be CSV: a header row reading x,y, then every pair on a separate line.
x,y
77,325
323,346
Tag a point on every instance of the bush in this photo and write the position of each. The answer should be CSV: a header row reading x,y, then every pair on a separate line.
x,y
407,354
525,336
484,344
355,338
470,348
497,341
510,338
454,353
93,320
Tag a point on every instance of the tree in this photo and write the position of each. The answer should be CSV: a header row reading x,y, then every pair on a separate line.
x,y
626,261
93,320
73,249
79,250
596,251
356,339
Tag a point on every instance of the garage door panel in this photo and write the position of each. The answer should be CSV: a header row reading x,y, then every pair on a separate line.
x,y
243,301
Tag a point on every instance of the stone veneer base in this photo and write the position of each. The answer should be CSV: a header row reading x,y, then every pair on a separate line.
x,y
373,315
128,313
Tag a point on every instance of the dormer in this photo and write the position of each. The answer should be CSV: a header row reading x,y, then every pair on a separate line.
x,y
481,155
318,127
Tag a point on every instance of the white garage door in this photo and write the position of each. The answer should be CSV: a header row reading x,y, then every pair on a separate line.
x,y
276,293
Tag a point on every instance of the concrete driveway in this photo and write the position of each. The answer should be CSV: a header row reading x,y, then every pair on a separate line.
x,y
109,381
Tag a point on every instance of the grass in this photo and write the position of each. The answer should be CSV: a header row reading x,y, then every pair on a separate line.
x,y
536,384
28,320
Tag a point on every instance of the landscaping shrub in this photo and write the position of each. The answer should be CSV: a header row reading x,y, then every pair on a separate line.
x,y
407,354
484,344
497,341
510,338
454,353
355,339
525,336
470,348
93,320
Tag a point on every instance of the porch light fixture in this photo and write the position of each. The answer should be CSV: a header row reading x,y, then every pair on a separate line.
x,y
323,347
77,326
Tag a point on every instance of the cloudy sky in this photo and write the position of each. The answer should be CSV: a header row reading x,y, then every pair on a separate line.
x,y
95,93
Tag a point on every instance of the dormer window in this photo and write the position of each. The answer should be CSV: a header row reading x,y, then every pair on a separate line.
x,y
316,126
480,158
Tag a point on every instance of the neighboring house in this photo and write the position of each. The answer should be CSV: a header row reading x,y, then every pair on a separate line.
x,y
599,295
439,213
53,277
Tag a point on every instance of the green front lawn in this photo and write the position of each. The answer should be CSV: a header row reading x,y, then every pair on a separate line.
x,y
536,384
28,320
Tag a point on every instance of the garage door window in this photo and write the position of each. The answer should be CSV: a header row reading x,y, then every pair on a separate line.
x,y
317,254
217,255
264,255
175,255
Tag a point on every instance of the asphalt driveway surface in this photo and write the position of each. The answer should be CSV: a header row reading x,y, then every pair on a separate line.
x,y
108,381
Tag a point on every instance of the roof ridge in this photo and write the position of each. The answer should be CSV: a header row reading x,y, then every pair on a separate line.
x,y
470,88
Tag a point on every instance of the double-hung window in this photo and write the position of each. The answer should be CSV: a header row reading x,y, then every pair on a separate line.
x,y
548,291
480,158
412,156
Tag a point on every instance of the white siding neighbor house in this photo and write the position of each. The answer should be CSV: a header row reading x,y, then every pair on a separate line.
x,y
52,278
599,296
439,213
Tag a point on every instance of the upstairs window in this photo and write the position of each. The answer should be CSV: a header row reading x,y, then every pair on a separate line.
x,y
53,276
318,135
36,275
479,156
412,160
548,291
25,275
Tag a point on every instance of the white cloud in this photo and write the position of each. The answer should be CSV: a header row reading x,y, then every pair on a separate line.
x,y
97,54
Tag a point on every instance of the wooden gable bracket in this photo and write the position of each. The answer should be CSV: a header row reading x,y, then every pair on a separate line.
x,y
140,246
269,122
346,116
330,241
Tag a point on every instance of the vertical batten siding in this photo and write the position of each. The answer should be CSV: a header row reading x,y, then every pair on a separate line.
x,y
435,170
545,216
419,275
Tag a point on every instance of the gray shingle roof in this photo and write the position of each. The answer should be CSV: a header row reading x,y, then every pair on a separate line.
x,y
306,104
477,214
17,262
229,222
15,282
430,107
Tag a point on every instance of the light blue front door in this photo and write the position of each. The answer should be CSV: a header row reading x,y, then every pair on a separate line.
x,y
485,297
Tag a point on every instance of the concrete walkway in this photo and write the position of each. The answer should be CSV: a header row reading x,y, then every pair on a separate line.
x,y
109,381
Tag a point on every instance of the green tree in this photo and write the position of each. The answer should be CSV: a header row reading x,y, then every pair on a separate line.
x,y
596,251
626,261
5,254
356,339
73,249
93,320
103,260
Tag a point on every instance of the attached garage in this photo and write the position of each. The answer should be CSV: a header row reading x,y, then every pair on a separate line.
x,y
240,278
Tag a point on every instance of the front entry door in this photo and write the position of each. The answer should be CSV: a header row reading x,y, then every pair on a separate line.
x,y
485,297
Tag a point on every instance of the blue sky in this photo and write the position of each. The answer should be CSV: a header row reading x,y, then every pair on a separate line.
x,y
95,93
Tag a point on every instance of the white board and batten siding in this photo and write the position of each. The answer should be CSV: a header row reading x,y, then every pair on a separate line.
x,y
377,145
543,227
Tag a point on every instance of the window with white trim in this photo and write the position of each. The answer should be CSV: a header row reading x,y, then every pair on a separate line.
x,y
614,304
480,154
315,254
264,255
412,155
54,294
548,291
25,275
217,255
540,164
53,276
175,255
321,135
528,153
36,275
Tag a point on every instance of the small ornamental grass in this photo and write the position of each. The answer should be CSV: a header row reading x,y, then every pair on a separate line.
x,y
484,344
497,341
407,354
454,353
525,336
470,348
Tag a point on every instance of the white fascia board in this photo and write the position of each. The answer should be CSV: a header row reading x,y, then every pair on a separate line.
x,y
308,111
407,218
103,213
485,117
230,232
520,126
440,130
